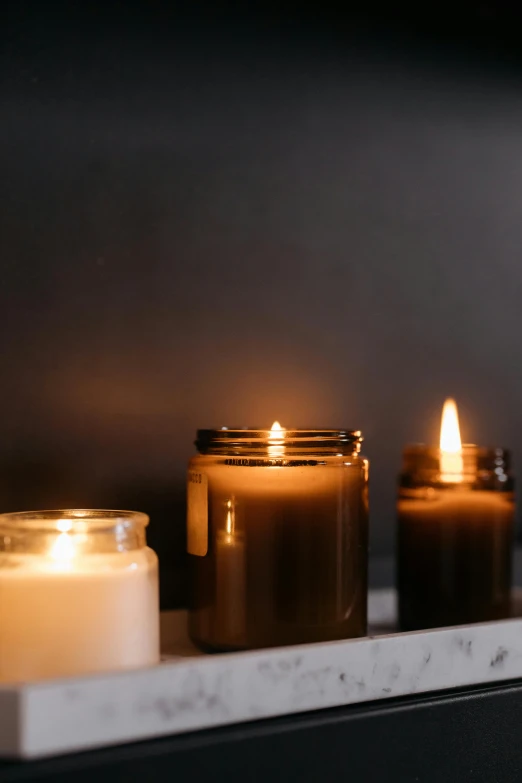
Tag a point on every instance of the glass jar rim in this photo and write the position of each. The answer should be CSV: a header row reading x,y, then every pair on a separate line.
x,y
430,446
230,440
467,449
89,519
479,465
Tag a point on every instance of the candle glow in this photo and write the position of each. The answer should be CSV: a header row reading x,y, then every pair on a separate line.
x,y
230,522
276,440
451,461
63,549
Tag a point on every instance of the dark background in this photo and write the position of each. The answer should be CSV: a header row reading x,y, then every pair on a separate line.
x,y
211,216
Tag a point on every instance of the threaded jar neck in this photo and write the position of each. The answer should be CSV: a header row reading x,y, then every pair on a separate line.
x,y
477,466
89,530
268,444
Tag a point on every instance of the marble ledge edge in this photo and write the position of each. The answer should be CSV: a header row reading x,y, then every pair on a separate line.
x,y
196,693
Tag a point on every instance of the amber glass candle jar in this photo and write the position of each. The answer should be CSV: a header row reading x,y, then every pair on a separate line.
x,y
455,538
277,537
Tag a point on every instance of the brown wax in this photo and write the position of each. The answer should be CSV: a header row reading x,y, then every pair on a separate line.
x,y
299,563
230,574
454,556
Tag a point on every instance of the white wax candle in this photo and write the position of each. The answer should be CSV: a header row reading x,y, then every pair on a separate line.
x,y
71,616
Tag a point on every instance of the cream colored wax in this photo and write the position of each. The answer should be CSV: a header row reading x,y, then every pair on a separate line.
x,y
92,613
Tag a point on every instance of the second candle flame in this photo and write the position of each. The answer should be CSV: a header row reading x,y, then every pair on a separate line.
x,y
451,461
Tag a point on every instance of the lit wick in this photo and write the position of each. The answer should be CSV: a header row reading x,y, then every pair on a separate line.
x,y
276,446
451,462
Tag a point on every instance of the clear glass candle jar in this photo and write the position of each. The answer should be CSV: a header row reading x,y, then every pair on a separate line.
x,y
455,538
277,537
78,594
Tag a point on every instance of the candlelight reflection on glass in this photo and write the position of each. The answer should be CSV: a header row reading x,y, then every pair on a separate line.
x,y
455,531
78,594
277,533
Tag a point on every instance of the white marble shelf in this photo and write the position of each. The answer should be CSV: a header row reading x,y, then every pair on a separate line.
x,y
191,691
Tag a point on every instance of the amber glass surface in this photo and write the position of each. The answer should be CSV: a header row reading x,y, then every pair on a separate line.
x,y
287,543
455,540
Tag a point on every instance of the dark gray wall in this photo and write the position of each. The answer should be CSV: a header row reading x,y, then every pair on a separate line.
x,y
207,228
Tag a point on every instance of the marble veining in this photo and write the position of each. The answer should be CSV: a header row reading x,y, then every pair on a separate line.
x,y
190,691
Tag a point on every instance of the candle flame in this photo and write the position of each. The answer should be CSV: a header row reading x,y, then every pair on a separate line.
x,y
450,430
63,549
276,440
275,431
451,462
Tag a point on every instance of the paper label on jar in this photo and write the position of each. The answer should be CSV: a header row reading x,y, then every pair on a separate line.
x,y
197,513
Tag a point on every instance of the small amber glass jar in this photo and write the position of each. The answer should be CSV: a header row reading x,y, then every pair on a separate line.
x,y
455,538
78,594
277,537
